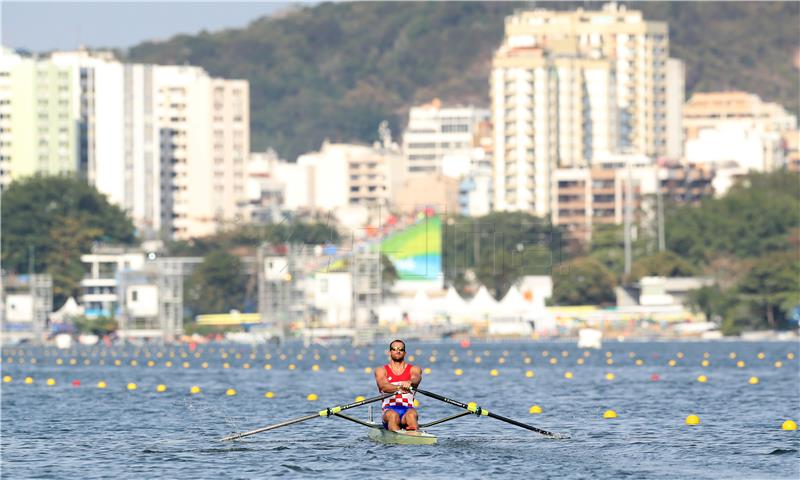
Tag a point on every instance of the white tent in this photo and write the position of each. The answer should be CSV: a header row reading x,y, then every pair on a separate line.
x,y
453,305
69,310
421,308
514,305
482,304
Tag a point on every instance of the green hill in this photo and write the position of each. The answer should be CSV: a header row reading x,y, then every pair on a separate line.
x,y
337,70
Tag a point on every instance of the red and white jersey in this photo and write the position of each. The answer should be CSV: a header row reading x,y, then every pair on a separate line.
x,y
400,399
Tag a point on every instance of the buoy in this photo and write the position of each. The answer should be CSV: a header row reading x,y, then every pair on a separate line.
x,y
312,397
269,395
28,380
609,414
639,362
226,365
7,379
426,371
161,388
267,366
101,384
194,390
367,370
732,355
579,361
132,386
501,360
740,364
753,381
186,365
527,361
778,364
704,363
568,375
117,363
230,392
133,363
692,420
790,356
530,374
458,372
76,383
359,398
536,409
789,425
706,354
416,403
204,365
315,368
51,382
702,379
553,360
610,362
151,363
292,366
58,361
761,355
493,372
168,364
672,363
341,369
655,377
610,376
679,355
477,359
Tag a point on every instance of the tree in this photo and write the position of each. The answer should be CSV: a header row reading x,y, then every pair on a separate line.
x,y
217,285
53,220
583,281
771,289
662,264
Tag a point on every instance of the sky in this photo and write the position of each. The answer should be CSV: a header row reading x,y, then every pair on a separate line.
x,y
55,25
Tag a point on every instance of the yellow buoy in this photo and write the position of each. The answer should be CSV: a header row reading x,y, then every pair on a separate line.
x,y
732,355
132,386
789,425
28,380
426,371
706,354
312,397
702,379
692,420
315,368
679,355
639,362
204,365
458,372
101,384
267,366
790,356
609,414
568,375
527,360
58,361
529,374
359,398
477,359
553,360
580,361
367,370
753,381
161,388
269,395
341,369
117,363
761,355
151,363
226,365
230,392
51,382
778,364
292,366
610,376
501,360
7,379
186,365
195,390
168,364
740,364
536,409
672,363
705,363
133,363
416,403
493,372
610,361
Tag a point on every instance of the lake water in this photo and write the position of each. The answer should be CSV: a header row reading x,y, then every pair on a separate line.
x,y
69,431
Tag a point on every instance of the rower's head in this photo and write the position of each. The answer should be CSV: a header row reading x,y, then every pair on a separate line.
x,y
397,350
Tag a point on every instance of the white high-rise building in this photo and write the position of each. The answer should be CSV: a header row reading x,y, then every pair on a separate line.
x,y
639,50
205,140
441,138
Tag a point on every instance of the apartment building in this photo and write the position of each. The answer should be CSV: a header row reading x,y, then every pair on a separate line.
x,y
38,118
204,129
637,49
442,139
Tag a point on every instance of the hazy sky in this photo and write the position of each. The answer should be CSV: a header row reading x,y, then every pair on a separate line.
x,y
41,26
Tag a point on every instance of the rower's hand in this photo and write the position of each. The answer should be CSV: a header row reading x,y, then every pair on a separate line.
x,y
406,386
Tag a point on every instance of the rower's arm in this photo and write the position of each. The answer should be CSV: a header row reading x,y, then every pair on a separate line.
x,y
384,386
416,376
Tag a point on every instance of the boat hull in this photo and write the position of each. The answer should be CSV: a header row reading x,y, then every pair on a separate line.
x,y
402,437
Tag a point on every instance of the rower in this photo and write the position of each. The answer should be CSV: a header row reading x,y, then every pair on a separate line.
x,y
401,378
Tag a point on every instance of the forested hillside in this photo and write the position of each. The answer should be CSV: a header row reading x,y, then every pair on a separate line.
x,y
336,70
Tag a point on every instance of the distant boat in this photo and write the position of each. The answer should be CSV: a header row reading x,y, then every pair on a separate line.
x,y
590,338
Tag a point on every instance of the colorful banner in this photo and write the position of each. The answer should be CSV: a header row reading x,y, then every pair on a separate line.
x,y
416,252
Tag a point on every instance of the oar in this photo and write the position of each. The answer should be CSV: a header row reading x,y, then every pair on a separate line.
x,y
480,411
322,413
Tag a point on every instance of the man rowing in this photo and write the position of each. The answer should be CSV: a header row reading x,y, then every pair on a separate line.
x,y
401,378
